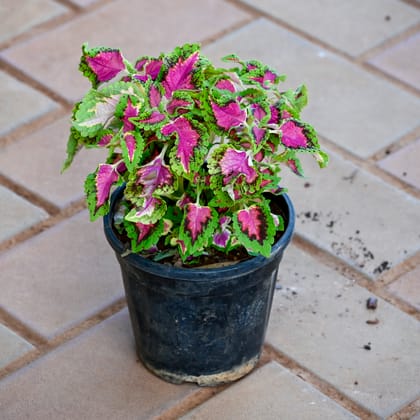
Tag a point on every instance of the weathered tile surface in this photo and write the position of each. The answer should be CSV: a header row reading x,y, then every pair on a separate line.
x,y
405,164
319,319
11,347
354,215
41,155
60,277
57,67
352,27
407,287
402,61
23,104
17,214
272,392
95,376
84,3
18,17
347,105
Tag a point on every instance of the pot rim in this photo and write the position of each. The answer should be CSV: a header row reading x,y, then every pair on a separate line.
x,y
200,274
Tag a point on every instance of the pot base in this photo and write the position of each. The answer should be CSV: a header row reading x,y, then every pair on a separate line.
x,y
207,380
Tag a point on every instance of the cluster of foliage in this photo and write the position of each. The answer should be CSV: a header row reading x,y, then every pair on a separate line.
x,y
198,147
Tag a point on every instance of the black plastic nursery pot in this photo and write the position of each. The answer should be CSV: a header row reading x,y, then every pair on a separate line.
x,y
203,325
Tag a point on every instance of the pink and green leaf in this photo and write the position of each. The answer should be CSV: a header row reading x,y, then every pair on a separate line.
x,y
221,237
177,105
235,163
105,138
154,118
95,113
149,68
151,212
229,116
225,84
259,134
143,236
180,75
255,229
155,176
188,140
154,96
101,64
269,77
106,177
197,226
294,164
98,188
293,136
97,110
129,112
132,147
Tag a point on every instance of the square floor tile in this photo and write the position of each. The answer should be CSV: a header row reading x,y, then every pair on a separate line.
x,y
402,61
35,161
17,214
145,28
24,104
12,346
404,164
351,26
60,277
18,17
94,376
319,319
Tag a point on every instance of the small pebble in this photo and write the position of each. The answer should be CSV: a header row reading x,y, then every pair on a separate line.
x,y
372,303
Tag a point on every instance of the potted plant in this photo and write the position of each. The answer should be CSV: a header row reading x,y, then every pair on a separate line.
x,y
192,199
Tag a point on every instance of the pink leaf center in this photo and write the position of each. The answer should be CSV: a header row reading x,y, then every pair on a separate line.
x,y
252,223
154,118
229,116
154,96
196,220
131,144
144,230
180,75
129,112
105,177
106,64
149,68
225,84
188,139
154,175
235,163
293,136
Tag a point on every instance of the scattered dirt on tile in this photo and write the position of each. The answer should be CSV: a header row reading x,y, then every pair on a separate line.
x,y
383,266
368,346
351,177
353,247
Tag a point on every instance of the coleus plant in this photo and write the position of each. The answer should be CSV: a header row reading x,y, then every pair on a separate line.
x,y
199,149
